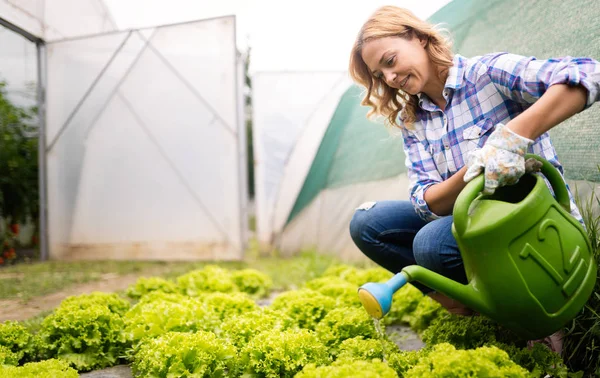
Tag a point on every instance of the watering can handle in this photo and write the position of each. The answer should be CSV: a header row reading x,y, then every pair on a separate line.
x,y
473,188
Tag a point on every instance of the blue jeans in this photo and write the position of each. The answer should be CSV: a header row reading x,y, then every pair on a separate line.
x,y
391,234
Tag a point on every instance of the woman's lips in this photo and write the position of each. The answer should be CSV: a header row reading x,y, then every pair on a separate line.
x,y
403,82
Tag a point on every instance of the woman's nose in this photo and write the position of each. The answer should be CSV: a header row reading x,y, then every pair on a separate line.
x,y
390,77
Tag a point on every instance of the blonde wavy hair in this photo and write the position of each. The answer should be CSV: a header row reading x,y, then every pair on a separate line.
x,y
391,21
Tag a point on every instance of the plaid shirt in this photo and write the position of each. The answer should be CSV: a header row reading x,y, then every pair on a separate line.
x,y
481,92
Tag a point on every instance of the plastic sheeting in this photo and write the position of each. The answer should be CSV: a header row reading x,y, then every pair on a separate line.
x,y
325,222
58,19
18,68
144,144
292,111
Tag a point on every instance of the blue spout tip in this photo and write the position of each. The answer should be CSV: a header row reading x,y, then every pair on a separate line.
x,y
376,298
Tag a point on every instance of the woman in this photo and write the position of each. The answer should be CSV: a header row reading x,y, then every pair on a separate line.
x,y
458,117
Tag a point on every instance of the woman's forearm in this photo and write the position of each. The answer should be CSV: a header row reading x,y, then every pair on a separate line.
x,y
556,105
440,197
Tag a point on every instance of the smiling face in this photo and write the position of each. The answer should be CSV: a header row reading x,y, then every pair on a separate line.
x,y
399,62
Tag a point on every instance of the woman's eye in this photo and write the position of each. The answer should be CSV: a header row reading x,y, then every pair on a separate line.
x,y
390,61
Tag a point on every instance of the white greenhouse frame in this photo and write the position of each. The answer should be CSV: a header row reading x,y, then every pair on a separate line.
x,y
237,195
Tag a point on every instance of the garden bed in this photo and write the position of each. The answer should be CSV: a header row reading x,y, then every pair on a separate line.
x,y
227,322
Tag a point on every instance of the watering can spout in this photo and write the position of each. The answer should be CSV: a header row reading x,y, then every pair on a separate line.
x,y
377,297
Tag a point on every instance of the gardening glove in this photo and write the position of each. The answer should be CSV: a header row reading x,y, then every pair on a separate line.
x,y
501,159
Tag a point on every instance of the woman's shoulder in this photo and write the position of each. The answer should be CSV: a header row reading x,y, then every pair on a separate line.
x,y
476,66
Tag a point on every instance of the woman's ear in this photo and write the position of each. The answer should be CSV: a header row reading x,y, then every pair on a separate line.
x,y
423,41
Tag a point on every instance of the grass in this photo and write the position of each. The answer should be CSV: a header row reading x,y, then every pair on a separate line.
x,y
582,342
28,280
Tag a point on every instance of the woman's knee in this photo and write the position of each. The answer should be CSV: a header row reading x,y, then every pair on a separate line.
x,y
359,226
372,219
433,243
426,251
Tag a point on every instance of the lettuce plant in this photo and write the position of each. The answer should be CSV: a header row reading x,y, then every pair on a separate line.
x,y
343,369
112,301
358,276
158,314
18,343
176,354
539,360
404,303
275,353
223,306
358,348
446,361
319,282
210,279
345,272
51,368
345,323
344,292
427,311
377,274
145,285
8,357
252,282
404,360
240,329
307,307
88,338
466,332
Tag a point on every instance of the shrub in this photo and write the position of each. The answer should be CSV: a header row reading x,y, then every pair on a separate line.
x,y
252,282
274,353
44,369
240,329
145,285
87,338
207,280
446,361
307,307
17,340
343,369
345,323
176,354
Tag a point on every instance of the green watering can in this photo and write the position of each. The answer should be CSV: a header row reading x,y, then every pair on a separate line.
x,y
528,261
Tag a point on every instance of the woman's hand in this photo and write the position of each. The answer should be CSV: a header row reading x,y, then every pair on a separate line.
x,y
501,159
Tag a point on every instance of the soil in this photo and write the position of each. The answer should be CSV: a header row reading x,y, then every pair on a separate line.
x,y
17,309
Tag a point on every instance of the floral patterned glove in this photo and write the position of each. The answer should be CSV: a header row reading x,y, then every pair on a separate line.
x,y
501,159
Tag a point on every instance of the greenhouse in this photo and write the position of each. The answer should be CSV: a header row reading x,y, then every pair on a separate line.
x,y
111,162
357,161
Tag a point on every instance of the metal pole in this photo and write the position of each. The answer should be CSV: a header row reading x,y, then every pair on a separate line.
x,y
242,159
42,178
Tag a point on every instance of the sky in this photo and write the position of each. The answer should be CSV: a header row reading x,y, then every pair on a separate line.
x,y
305,35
